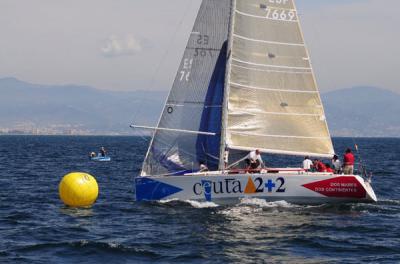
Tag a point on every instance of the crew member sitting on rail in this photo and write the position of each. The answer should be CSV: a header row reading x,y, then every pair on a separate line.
x,y
307,163
254,160
337,165
319,166
328,168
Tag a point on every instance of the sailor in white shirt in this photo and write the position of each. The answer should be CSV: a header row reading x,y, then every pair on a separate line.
x,y
307,163
254,160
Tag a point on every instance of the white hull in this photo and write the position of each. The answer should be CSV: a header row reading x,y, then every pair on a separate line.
x,y
294,187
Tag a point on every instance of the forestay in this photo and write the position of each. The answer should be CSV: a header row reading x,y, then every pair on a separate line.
x,y
195,100
274,104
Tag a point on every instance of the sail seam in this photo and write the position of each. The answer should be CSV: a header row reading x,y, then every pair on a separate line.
x,y
195,105
286,152
172,102
272,66
276,136
273,71
278,113
271,89
280,8
269,41
199,48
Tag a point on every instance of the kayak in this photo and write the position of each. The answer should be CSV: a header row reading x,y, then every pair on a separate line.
x,y
100,158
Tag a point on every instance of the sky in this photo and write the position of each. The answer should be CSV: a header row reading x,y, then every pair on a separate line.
x,y
137,44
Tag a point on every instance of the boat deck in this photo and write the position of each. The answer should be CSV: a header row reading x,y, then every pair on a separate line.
x,y
266,171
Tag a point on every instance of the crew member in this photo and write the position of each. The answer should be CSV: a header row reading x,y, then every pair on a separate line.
x,y
319,166
307,163
337,165
203,167
254,160
348,162
328,168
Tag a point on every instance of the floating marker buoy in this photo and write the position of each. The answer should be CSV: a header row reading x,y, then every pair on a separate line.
x,y
78,189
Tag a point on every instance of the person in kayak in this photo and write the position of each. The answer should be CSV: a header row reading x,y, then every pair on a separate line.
x,y
103,152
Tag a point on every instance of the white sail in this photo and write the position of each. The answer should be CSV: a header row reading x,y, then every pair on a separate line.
x,y
273,100
190,125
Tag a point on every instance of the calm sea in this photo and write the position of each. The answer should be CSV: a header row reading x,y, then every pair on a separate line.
x,y
35,227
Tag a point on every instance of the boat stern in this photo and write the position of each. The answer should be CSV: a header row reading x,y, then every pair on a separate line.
x,y
370,194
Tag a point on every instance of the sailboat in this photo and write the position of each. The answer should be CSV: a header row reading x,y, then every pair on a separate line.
x,y
245,82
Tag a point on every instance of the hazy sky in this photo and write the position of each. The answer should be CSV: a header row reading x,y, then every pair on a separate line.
x,y
137,44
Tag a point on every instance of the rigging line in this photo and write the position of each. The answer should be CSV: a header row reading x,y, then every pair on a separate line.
x,y
362,168
167,50
175,130
165,55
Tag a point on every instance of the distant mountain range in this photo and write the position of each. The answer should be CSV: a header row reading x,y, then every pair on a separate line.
x,y
51,109
59,109
363,112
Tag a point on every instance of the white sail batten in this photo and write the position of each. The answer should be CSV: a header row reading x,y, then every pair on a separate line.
x,y
273,100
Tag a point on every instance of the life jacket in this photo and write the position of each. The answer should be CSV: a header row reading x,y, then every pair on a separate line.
x,y
348,159
321,167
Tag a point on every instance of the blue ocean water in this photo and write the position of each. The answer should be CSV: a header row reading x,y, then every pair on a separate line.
x,y
35,227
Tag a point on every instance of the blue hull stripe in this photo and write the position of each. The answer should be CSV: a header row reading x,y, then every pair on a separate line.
x,y
150,190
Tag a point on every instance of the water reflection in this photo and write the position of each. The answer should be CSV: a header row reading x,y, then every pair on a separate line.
x,y
82,212
279,231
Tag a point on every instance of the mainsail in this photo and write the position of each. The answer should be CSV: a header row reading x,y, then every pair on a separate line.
x,y
195,100
273,103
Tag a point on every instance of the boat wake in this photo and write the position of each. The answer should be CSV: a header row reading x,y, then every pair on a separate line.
x,y
195,204
265,204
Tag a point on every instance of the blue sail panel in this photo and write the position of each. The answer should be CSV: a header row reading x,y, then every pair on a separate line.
x,y
208,147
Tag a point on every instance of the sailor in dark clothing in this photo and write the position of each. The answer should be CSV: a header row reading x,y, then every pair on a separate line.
x,y
103,152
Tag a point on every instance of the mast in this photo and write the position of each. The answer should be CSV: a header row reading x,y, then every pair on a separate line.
x,y
226,88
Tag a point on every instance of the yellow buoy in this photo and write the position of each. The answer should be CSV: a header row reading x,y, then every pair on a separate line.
x,y
78,189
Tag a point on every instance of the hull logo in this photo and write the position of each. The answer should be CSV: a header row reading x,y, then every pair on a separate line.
x,y
207,189
228,186
341,187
